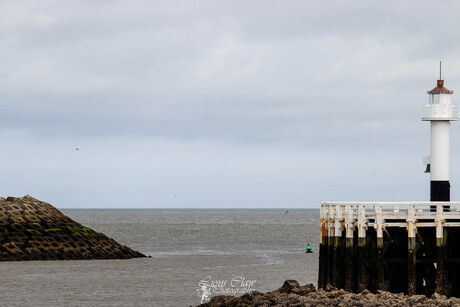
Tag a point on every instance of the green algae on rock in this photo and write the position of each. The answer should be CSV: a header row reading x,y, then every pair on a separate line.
x,y
34,230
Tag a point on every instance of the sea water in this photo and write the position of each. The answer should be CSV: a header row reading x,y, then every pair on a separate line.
x,y
228,251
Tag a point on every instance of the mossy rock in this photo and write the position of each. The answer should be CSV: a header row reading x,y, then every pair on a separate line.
x,y
80,230
35,226
33,232
11,247
4,231
53,231
34,243
39,238
49,239
29,207
49,225
63,238
77,236
18,219
32,218
12,208
18,234
80,244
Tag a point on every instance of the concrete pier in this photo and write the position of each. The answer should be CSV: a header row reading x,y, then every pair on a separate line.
x,y
398,247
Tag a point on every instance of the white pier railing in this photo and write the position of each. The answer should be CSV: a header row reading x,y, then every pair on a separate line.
x,y
347,215
349,246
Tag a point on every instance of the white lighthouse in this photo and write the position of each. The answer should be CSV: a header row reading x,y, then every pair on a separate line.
x,y
439,112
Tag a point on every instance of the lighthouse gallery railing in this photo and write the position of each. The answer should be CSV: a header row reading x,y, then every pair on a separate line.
x,y
439,110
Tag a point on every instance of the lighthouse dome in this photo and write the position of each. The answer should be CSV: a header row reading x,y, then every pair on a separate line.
x,y
440,89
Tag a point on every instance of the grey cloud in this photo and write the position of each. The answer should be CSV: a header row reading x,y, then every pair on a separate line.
x,y
333,81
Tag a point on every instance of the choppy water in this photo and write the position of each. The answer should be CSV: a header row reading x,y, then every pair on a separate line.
x,y
265,246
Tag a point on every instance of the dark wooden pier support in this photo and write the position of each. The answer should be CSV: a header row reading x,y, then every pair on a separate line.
x,y
442,285
362,256
381,283
323,257
399,247
330,251
411,253
337,265
441,273
349,232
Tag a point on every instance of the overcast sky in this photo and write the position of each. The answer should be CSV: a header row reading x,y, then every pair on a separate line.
x,y
182,104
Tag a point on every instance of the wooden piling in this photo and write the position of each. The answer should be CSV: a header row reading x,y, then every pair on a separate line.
x,y
363,279
379,227
337,277
330,244
349,232
322,274
411,252
441,274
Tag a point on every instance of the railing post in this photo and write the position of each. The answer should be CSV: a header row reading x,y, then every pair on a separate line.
x,y
411,251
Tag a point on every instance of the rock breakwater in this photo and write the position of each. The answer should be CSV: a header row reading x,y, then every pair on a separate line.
x,y
34,230
292,294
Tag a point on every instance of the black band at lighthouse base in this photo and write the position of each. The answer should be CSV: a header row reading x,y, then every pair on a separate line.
x,y
440,191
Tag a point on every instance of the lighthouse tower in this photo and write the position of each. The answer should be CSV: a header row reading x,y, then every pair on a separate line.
x,y
439,112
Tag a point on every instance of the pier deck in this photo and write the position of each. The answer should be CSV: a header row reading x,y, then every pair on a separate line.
x,y
410,247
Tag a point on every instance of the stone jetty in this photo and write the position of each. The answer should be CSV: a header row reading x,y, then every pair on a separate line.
x,y
34,230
